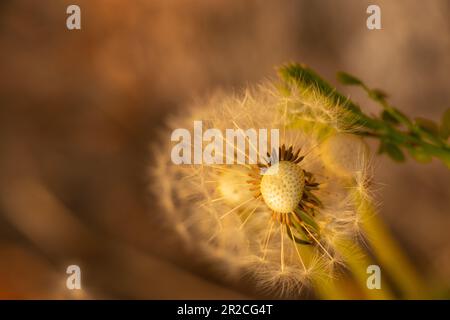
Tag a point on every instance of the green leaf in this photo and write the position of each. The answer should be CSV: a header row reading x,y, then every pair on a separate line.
x,y
300,237
420,155
400,116
427,125
348,79
307,219
393,151
378,95
306,77
389,118
444,130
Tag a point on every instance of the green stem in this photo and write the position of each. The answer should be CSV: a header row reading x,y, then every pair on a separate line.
x,y
384,131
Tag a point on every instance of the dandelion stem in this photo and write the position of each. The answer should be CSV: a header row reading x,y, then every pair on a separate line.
x,y
389,254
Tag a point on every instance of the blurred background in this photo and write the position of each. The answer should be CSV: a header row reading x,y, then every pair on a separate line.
x,y
79,110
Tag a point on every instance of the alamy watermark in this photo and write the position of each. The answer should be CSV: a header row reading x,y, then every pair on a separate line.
x,y
73,281
374,278
231,146
373,22
73,21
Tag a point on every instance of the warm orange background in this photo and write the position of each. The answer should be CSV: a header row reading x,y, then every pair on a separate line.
x,y
78,110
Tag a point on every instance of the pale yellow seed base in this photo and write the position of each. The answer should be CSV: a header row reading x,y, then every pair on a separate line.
x,y
282,186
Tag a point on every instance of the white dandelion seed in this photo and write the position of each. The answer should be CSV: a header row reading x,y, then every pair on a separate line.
x,y
280,228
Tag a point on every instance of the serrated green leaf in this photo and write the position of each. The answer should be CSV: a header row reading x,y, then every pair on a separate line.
x,y
444,129
306,77
427,125
348,79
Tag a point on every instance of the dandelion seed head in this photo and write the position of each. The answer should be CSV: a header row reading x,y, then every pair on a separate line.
x,y
282,186
280,227
345,154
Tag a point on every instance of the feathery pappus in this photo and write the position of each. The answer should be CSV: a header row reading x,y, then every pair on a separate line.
x,y
276,220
